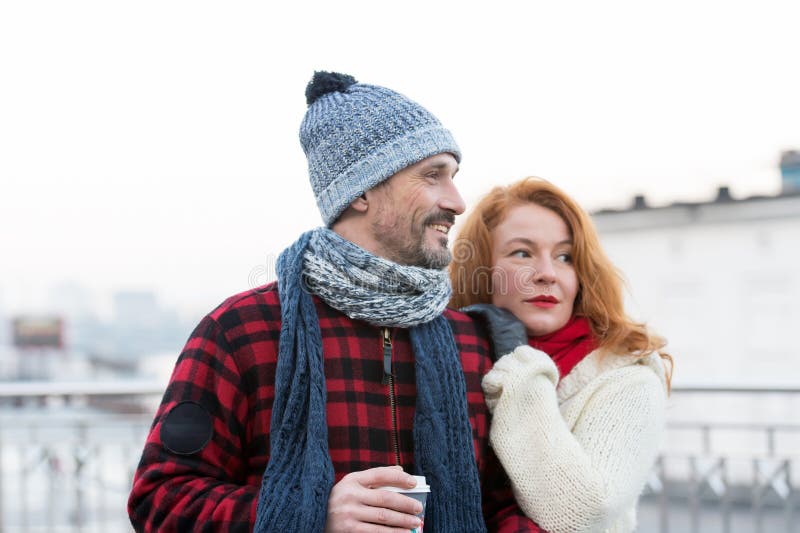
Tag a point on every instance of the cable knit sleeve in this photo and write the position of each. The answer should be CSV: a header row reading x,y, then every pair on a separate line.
x,y
582,473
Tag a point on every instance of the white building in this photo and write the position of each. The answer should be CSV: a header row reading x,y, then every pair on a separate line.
x,y
720,280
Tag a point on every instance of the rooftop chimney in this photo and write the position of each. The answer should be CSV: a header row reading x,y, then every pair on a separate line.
x,y
790,171
639,202
723,195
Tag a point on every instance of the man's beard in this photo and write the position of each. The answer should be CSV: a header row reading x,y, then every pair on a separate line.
x,y
410,249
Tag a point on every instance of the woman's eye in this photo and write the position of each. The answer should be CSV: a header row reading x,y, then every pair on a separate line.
x,y
564,258
520,253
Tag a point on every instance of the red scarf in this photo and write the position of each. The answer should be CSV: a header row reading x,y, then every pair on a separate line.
x,y
567,346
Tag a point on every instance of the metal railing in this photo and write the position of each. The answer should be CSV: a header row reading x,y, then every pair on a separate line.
x,y
689,492
68,466
68,453
68,475
717,475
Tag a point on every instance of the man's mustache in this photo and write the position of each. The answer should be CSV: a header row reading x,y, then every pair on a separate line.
x,y
440,216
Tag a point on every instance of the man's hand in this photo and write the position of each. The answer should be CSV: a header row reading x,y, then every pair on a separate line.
x,y
505,330
356,503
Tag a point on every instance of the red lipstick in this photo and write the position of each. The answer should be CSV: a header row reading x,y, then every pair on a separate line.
x,y
543,301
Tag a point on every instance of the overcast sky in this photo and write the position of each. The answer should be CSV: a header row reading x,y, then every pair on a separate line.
x,y
154,144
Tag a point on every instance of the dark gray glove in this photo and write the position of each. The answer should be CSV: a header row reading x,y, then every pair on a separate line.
x,y
505,330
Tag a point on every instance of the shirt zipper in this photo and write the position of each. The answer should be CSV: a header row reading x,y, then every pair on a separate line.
x,y
388,379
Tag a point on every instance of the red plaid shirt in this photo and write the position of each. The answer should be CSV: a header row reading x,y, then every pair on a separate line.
x,y
228,367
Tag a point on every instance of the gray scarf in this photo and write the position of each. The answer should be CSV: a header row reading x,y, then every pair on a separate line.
x,y
370,288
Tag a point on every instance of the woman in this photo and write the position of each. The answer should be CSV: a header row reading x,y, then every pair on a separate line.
x,y
578,407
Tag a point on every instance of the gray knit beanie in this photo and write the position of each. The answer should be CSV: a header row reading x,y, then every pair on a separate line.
x,y
355,136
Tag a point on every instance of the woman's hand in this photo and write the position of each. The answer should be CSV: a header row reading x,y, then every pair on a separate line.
x,y
514,371
506,331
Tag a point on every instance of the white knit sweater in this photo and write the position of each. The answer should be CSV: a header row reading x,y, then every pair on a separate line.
x,y
578,455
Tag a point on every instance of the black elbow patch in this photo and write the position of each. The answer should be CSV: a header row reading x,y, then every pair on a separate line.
x,y
187,428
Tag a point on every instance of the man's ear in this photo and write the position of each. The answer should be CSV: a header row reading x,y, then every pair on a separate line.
x,y
360,204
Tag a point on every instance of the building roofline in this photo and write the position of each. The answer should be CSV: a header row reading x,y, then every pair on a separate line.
x,y
723,198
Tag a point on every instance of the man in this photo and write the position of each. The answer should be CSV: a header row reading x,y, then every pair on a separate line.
x,y
292,403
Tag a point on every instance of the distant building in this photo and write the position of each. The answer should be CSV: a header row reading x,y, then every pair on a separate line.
x,y
5,326
719,279
141,326
70,299
83,330
790,171
38,332
136,308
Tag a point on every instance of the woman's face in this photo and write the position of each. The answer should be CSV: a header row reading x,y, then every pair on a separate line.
x,y
533,275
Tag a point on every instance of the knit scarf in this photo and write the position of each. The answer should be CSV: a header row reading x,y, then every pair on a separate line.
x,y
299,475
568,345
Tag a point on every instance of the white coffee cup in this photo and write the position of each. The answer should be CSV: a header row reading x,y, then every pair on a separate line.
x,y
419,493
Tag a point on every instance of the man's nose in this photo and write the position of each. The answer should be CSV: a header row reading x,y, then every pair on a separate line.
x,y
451,199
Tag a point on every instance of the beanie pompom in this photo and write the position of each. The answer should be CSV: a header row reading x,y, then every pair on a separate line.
x,y
327,82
